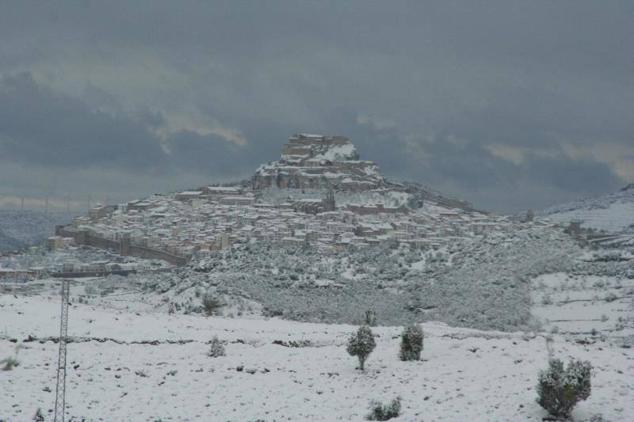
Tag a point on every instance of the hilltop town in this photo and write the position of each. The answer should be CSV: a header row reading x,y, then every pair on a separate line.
x,y
319,194
282,268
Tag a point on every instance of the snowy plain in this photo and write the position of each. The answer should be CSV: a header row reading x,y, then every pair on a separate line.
x,y
464,374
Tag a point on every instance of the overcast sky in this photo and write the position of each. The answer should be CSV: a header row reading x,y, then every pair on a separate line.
x,y
510,105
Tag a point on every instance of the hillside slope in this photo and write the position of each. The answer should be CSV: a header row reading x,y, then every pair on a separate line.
x,y
611,213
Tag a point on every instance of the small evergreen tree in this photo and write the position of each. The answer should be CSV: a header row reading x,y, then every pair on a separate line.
x,y
411,343
361,344
559,389
216,348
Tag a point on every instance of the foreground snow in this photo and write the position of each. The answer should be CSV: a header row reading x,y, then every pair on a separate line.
x,y
465,374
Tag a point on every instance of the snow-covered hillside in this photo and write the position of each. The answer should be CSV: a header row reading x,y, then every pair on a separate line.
x,y
131,366
611,213
480,283
583,305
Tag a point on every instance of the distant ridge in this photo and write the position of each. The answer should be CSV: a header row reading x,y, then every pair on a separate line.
x,y
21,229
628,187
611,213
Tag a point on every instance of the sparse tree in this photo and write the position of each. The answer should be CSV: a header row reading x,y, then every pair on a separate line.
x,y
559,389
211,304
216,348
411,343
370,318
361,344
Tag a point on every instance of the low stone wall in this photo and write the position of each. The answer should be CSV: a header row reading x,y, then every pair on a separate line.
x,y
102,243
82,274
122,247
149,253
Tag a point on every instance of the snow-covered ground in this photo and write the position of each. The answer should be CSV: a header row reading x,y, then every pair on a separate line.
x,y
585,304
464,375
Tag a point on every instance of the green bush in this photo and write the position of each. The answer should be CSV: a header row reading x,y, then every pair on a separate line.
x,y
411,343
559,389
361,344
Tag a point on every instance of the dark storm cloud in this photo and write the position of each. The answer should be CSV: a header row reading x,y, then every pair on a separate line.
x,y
56,137
206,154
40,127
509,104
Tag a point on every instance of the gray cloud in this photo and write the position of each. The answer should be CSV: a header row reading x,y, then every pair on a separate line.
x,y
44,128
508,104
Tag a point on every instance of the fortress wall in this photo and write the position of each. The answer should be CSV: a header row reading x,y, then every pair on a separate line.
x,y
102,243
149,253
124,247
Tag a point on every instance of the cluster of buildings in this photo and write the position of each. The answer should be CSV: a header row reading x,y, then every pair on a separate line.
x,y
178,226
215,218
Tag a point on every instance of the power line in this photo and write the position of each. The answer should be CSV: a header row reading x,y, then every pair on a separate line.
x,y
60,390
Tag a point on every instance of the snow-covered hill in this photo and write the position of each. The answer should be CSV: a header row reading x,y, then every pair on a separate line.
x,y
319,254
611,213
479,283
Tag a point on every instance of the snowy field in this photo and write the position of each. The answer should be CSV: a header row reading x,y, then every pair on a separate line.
x,y
464,375
585,305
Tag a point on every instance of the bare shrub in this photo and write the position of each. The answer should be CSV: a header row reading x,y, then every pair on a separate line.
x,y
9,363
211,304
39,415
370,318
384,412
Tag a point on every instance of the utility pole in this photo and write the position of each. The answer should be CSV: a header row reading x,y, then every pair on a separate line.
x,y
60,390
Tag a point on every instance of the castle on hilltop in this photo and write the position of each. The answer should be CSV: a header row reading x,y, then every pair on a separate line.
x,y
319,162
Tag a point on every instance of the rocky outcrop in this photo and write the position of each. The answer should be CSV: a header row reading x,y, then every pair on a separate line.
x,y
319,162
